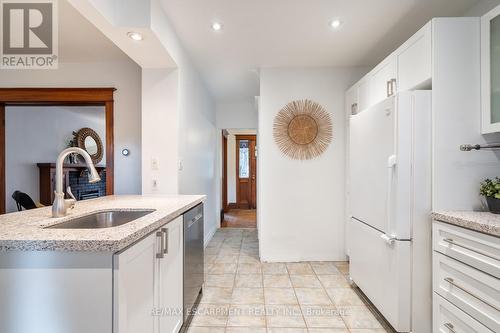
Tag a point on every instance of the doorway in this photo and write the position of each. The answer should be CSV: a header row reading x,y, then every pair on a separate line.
x,y
239,178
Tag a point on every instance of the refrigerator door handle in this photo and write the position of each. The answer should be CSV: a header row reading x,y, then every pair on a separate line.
x,y
391,165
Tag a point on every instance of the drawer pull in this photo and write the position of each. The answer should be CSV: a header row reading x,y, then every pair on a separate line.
x,y
453,283
486,254
450,327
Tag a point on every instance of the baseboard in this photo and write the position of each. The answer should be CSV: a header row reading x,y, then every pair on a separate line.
x,y
210,235
231,205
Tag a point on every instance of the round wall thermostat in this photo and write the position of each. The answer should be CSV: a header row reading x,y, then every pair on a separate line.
x,y
125,152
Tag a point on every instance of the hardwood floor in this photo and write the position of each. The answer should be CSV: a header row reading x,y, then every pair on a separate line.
x,y
240,218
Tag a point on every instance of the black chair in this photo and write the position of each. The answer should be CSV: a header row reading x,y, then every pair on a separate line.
x,y
23,201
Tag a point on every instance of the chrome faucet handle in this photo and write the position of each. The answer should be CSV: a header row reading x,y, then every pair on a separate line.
x,y
70,202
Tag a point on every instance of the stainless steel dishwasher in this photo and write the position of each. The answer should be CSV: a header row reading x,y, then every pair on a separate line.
x,y
194,257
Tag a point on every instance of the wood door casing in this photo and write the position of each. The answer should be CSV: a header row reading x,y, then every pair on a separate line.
x,y
244,185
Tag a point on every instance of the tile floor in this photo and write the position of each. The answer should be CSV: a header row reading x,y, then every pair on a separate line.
x,y
242,294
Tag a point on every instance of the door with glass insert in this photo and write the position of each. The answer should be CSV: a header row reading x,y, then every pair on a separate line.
x,y
246,171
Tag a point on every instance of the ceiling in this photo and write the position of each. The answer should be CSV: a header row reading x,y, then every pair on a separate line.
x,y
81,41
293,33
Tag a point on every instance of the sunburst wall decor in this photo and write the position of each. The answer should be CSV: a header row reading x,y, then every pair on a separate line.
x,y
302,130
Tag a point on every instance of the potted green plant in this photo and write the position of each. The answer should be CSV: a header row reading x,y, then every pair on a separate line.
x,y
490,189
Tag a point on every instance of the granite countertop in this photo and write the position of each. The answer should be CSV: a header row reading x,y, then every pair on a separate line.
x,y
484,222
25,231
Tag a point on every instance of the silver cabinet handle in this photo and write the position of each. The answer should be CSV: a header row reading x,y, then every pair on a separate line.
x,y
388,88
450,327
393,86
486,254
453,283
354,108
162,244
164,232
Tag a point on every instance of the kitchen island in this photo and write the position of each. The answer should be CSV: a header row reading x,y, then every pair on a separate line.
x,y
94,280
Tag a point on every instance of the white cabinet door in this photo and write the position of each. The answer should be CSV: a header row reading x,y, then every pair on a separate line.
x,y
170,277
364,98
414,61
134,287
351,101
382,80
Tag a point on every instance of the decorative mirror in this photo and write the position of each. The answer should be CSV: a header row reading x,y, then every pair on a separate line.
x,y
302,130
88,139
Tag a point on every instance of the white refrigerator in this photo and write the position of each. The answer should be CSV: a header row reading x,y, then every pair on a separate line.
x,y
390,204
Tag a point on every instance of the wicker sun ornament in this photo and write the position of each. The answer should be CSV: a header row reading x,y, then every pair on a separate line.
x,y
302,130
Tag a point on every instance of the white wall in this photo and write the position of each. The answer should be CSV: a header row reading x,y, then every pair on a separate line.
x,y
125,76
301,203
482,7
236,115
37,135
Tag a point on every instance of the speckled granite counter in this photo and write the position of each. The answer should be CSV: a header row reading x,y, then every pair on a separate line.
x,y
25,231
484,222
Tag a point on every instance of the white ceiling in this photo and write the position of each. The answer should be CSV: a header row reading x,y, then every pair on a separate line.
x,y
81,41
286,33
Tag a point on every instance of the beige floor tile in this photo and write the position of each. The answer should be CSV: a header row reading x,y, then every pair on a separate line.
x,y
247,259
194,329
277,281
289,316
322,316
358,317
249,268
286,330
248,281
274,268
210,259
245,330
280,296
248,296
222,269
344,296
210,315
219,280
328,330
305,281
299,268
228,259
312,296
247,316
216,295
370,330
343,266
212,250
334,281
325,268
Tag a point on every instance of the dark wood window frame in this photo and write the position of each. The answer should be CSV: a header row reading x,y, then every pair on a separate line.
x,y
59,97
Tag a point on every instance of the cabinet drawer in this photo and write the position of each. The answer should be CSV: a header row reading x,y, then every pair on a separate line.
x,y
473,248
450,319
471,290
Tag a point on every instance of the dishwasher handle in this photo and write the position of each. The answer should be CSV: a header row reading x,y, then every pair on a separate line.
x,y
195,219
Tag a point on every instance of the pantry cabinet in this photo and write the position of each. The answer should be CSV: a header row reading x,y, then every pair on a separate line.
x,y
147,280
383,80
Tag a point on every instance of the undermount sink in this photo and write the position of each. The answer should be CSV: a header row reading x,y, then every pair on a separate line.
x,y
103,219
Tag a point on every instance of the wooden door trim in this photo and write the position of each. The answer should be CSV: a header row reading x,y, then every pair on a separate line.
x,y
225,207
237,139
59,97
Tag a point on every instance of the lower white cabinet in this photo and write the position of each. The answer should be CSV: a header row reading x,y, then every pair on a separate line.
x,y
466,290
147,283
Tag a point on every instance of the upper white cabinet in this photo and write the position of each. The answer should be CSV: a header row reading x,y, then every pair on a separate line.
x,y
148,283
414,61
407,68
383,80
490,71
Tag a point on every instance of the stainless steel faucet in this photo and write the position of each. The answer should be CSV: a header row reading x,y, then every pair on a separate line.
x,y
60,205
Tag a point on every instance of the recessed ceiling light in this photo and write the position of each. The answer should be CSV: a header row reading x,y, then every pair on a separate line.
x,y
217,26
336,23
135,36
